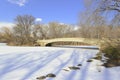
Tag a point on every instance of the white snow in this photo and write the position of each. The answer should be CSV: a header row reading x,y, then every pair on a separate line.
x,y
27,63
3,44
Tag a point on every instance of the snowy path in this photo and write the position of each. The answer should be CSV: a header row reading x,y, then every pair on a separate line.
x,y
27,63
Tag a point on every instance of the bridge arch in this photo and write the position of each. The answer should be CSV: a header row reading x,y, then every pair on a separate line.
x,y
57,43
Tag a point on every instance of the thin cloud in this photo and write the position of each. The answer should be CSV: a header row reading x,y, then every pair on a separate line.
x,y
6,24
38,19
18,2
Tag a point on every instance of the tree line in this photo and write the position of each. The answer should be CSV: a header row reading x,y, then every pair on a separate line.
x,y
27,31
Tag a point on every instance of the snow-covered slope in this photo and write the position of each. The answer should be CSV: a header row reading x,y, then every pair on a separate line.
x,y
28,63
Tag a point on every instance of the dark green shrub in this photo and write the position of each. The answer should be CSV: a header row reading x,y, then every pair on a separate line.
x,y
112,51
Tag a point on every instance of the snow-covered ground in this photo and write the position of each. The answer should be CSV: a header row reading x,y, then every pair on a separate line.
x,y
3,44
28,63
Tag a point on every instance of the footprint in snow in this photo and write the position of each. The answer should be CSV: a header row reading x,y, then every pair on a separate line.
x,y
74,68
41,78
50,75
89,60
79,65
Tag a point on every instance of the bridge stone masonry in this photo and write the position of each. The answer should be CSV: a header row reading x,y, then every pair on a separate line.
x,y
93,42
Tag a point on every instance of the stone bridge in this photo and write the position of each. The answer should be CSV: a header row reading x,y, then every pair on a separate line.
x,y
73,40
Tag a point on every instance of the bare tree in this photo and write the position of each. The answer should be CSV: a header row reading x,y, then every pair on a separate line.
x,y
91,25
40,31
110,31
23,28
6,34
57,30
94,21
109,5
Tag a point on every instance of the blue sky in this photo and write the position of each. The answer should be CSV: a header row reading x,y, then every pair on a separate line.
x,y
64,11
